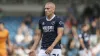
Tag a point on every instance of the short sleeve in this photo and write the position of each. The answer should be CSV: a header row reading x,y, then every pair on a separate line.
x,y
7,33
60,23
80,35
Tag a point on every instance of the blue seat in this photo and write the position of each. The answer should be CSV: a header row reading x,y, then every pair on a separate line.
x,y
12,23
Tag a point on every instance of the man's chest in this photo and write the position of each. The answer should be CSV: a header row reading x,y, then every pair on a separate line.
x,y
49,26
86,37
3,35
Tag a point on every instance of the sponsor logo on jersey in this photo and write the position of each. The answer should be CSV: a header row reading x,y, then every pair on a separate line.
x,y
48,28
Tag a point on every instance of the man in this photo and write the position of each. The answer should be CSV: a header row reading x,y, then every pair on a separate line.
x,y
51,31
84,39
4,35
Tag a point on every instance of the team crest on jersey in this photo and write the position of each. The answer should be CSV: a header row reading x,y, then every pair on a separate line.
x,y
61,23
43,23
53,22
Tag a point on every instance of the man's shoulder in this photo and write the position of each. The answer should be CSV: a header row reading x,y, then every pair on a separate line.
x,y
6,30
58,18
42,18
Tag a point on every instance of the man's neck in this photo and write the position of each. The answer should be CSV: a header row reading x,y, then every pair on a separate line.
x,y
1,29
49,17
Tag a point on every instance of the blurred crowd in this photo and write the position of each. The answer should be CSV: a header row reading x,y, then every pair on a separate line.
x,y
81,35
81,39
24,38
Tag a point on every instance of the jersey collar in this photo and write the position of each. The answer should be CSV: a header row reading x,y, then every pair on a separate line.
x,y
51,18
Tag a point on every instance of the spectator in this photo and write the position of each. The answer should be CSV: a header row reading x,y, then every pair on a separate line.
x,y
71,21
28,21
19,37
19,51
84,41
96,48
23,28
27,38
73,43
64,40
75,35
93,27
26,41
24,36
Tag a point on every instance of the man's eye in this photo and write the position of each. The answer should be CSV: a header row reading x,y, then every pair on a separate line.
x,y
46,8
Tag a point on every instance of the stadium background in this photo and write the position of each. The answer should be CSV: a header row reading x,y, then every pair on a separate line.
x,y
23,15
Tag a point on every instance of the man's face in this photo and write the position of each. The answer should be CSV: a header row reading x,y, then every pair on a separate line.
x,y
49,9
86,28
1,26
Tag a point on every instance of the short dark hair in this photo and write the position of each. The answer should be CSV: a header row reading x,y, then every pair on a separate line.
x,y
1,23
84,25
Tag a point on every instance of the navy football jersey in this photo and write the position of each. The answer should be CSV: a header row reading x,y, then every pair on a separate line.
x,y
49,31
85,37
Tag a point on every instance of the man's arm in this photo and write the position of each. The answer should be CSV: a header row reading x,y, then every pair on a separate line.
x,y
36,40
81,43
72,44
58,38
8,41
10,47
